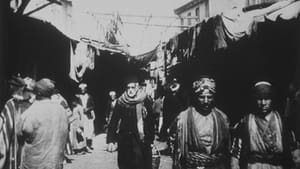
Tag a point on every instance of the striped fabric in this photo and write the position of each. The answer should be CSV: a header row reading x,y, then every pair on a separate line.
x,y
7,135
196,159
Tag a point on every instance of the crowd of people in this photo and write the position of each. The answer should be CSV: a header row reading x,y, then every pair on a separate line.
x,y
38,129
199,134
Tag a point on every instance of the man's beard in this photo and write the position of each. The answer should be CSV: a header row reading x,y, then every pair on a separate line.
x,y
204,110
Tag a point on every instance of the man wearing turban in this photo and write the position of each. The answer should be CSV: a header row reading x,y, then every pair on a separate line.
x,y
262,139
202,137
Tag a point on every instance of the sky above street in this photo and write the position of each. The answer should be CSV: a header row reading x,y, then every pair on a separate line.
x,y
140,32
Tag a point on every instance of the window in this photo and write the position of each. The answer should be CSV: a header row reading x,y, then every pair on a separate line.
x,y
182,21
206,9
197,11
197,14
189,18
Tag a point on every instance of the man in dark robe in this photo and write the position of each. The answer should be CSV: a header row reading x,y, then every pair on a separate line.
x,y
174,102
136,129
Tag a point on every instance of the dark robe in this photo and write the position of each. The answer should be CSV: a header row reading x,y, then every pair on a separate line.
x,y
133,153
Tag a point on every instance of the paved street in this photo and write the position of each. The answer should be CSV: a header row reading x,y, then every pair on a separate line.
x,y
101,159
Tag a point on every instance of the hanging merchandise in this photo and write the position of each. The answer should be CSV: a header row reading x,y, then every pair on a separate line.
x,y
219,34
82,59
239,24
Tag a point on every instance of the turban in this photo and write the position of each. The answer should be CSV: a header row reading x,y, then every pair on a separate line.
x,y
263,89
44,87
82,86
204,85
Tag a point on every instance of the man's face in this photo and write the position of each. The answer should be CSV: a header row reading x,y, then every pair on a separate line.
x,y
205,100
132,89
264,104
113,96
83,90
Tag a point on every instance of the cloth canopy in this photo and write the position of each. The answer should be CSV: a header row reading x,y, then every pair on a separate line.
x,y
67,17
217,32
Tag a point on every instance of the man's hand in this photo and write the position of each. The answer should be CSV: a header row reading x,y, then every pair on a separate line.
x,y
111,147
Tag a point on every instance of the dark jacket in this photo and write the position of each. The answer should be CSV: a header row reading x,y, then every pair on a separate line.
x,y
124,120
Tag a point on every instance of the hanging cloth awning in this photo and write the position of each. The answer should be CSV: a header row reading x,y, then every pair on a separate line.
x,y
76,24
144,59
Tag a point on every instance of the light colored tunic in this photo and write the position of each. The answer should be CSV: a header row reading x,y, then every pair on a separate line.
x,y
202,141
45,130
77,139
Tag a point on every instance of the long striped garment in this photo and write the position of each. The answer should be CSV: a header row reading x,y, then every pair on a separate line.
x,y
7,134
8,144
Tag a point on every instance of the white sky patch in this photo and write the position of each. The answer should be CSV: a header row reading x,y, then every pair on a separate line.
x,y
140,36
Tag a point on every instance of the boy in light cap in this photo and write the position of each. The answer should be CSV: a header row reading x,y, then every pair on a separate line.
x,y
262,138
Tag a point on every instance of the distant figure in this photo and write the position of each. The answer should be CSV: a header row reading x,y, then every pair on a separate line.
x,y
77,129
111,106
136,132
262,138
58,98
44,130
88,118
173,103
158,112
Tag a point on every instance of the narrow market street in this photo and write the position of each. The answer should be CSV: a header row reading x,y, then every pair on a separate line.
x,y
101,159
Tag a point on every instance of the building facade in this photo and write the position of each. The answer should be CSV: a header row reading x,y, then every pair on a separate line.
x,y
196,10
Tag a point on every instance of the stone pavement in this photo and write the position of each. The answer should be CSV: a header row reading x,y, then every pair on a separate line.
x,y
101,159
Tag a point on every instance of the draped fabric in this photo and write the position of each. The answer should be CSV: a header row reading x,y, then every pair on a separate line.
x,y
206,149
265,136
7,134
263,142
141,111
9,120
77,139
87,103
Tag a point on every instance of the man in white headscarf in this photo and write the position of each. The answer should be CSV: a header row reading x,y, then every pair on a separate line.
x,y
87,103
136,130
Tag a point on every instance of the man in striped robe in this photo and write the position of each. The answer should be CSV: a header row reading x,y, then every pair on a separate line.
x,y
9,118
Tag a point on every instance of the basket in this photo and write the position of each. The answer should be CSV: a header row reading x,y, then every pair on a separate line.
x,y
155,159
